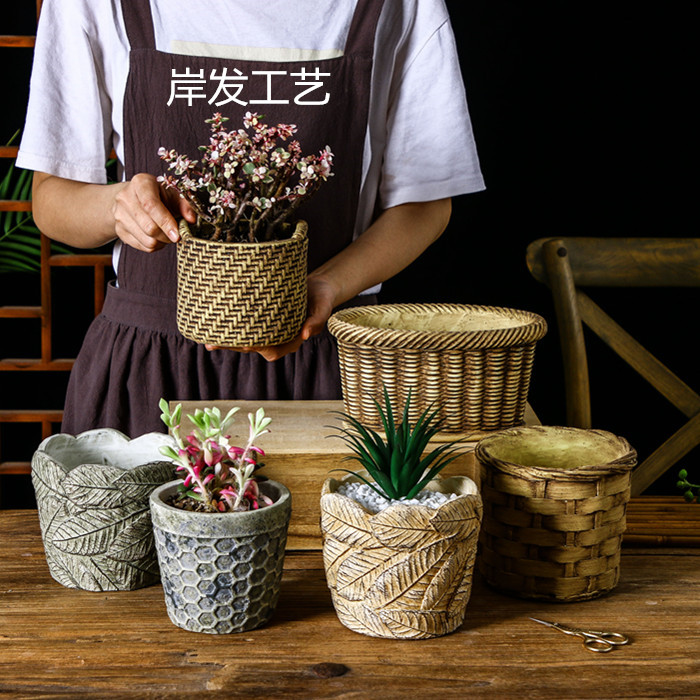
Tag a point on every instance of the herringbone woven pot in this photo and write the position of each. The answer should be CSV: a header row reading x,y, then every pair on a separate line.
x,y
241,294
554,510
405,572
471,362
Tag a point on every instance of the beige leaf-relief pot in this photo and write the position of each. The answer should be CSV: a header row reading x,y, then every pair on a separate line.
x,y
405,572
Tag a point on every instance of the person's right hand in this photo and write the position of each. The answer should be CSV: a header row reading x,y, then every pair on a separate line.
x,y
144,213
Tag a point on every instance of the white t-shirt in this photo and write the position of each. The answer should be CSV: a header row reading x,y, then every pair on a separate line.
x,y
419,144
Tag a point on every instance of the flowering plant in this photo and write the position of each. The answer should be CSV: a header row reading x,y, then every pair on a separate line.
x,y
217,475
247,183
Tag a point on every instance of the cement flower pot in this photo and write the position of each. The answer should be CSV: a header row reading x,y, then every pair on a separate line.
x,y
241,294
473,363
221,572
405,572
92,496
555,500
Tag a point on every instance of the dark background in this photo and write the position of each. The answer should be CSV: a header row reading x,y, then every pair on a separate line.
x,y
583,119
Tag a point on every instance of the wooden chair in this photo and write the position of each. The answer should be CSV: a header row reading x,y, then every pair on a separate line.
x,y
565,264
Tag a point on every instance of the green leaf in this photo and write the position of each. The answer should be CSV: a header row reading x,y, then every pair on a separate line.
x,y
17,266
168,451
397,460
20,244
430,476
18,262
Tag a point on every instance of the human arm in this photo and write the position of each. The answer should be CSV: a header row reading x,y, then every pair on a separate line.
x,y
396,238
140,212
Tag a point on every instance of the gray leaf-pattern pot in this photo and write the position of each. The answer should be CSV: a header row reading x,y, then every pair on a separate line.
x,y
92,496
221,572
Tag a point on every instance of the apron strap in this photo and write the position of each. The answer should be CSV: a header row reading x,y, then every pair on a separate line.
x,y
139,24
363,27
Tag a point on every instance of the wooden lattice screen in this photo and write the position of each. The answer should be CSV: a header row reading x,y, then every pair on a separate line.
x,y
48,419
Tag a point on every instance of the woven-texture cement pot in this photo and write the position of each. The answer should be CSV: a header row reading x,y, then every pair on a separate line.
x,y
221,572
405,572
473,362
241,294
92,495
554,511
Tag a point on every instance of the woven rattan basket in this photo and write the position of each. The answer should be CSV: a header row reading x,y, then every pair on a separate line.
x,y
473,363
241,294
554,511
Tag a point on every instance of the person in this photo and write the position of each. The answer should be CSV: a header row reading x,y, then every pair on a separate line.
x,y
376,80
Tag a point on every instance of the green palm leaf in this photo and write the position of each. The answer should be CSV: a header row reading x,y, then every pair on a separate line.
x,y
20,239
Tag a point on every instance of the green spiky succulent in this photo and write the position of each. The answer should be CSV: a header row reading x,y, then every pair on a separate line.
x,y
397,463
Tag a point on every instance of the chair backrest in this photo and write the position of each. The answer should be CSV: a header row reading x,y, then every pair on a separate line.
x,y
565,265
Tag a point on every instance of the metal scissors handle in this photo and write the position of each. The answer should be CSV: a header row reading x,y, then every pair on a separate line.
x,y
592,639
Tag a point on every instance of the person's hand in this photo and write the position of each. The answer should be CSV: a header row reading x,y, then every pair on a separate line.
x,y
144,213
321,298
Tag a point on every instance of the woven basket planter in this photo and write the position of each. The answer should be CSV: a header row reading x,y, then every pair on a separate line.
x,y
473,362
241,294
554,511
405,572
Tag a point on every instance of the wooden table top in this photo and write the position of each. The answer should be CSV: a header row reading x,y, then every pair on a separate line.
x,y
56,641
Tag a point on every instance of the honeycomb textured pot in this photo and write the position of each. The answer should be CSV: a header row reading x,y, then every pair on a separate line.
x,y
92,496
221,572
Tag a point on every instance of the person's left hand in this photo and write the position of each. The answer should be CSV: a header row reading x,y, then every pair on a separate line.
x,y
321,296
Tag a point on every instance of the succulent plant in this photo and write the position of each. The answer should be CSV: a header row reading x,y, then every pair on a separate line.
x,y
397,462
247,182
217,475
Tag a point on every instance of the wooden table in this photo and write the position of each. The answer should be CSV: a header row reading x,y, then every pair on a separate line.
x,y
55,641
58,642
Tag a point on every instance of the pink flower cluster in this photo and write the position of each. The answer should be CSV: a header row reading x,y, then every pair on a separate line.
x,y
248,181
215,473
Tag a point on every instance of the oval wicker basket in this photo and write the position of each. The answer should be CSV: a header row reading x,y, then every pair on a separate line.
x,y
554,510
472,362
241,294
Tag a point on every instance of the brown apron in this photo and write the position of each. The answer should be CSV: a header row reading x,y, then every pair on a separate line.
x,y
133,353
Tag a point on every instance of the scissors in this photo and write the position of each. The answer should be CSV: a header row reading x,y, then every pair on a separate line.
x,y
592,640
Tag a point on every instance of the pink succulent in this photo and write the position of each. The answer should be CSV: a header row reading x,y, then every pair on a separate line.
x,y
243,184
219,475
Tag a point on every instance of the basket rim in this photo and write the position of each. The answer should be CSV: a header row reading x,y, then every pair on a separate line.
x,y
300,234
624,463
344,326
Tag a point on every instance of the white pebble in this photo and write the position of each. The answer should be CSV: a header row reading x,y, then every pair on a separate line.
x,y
366,496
